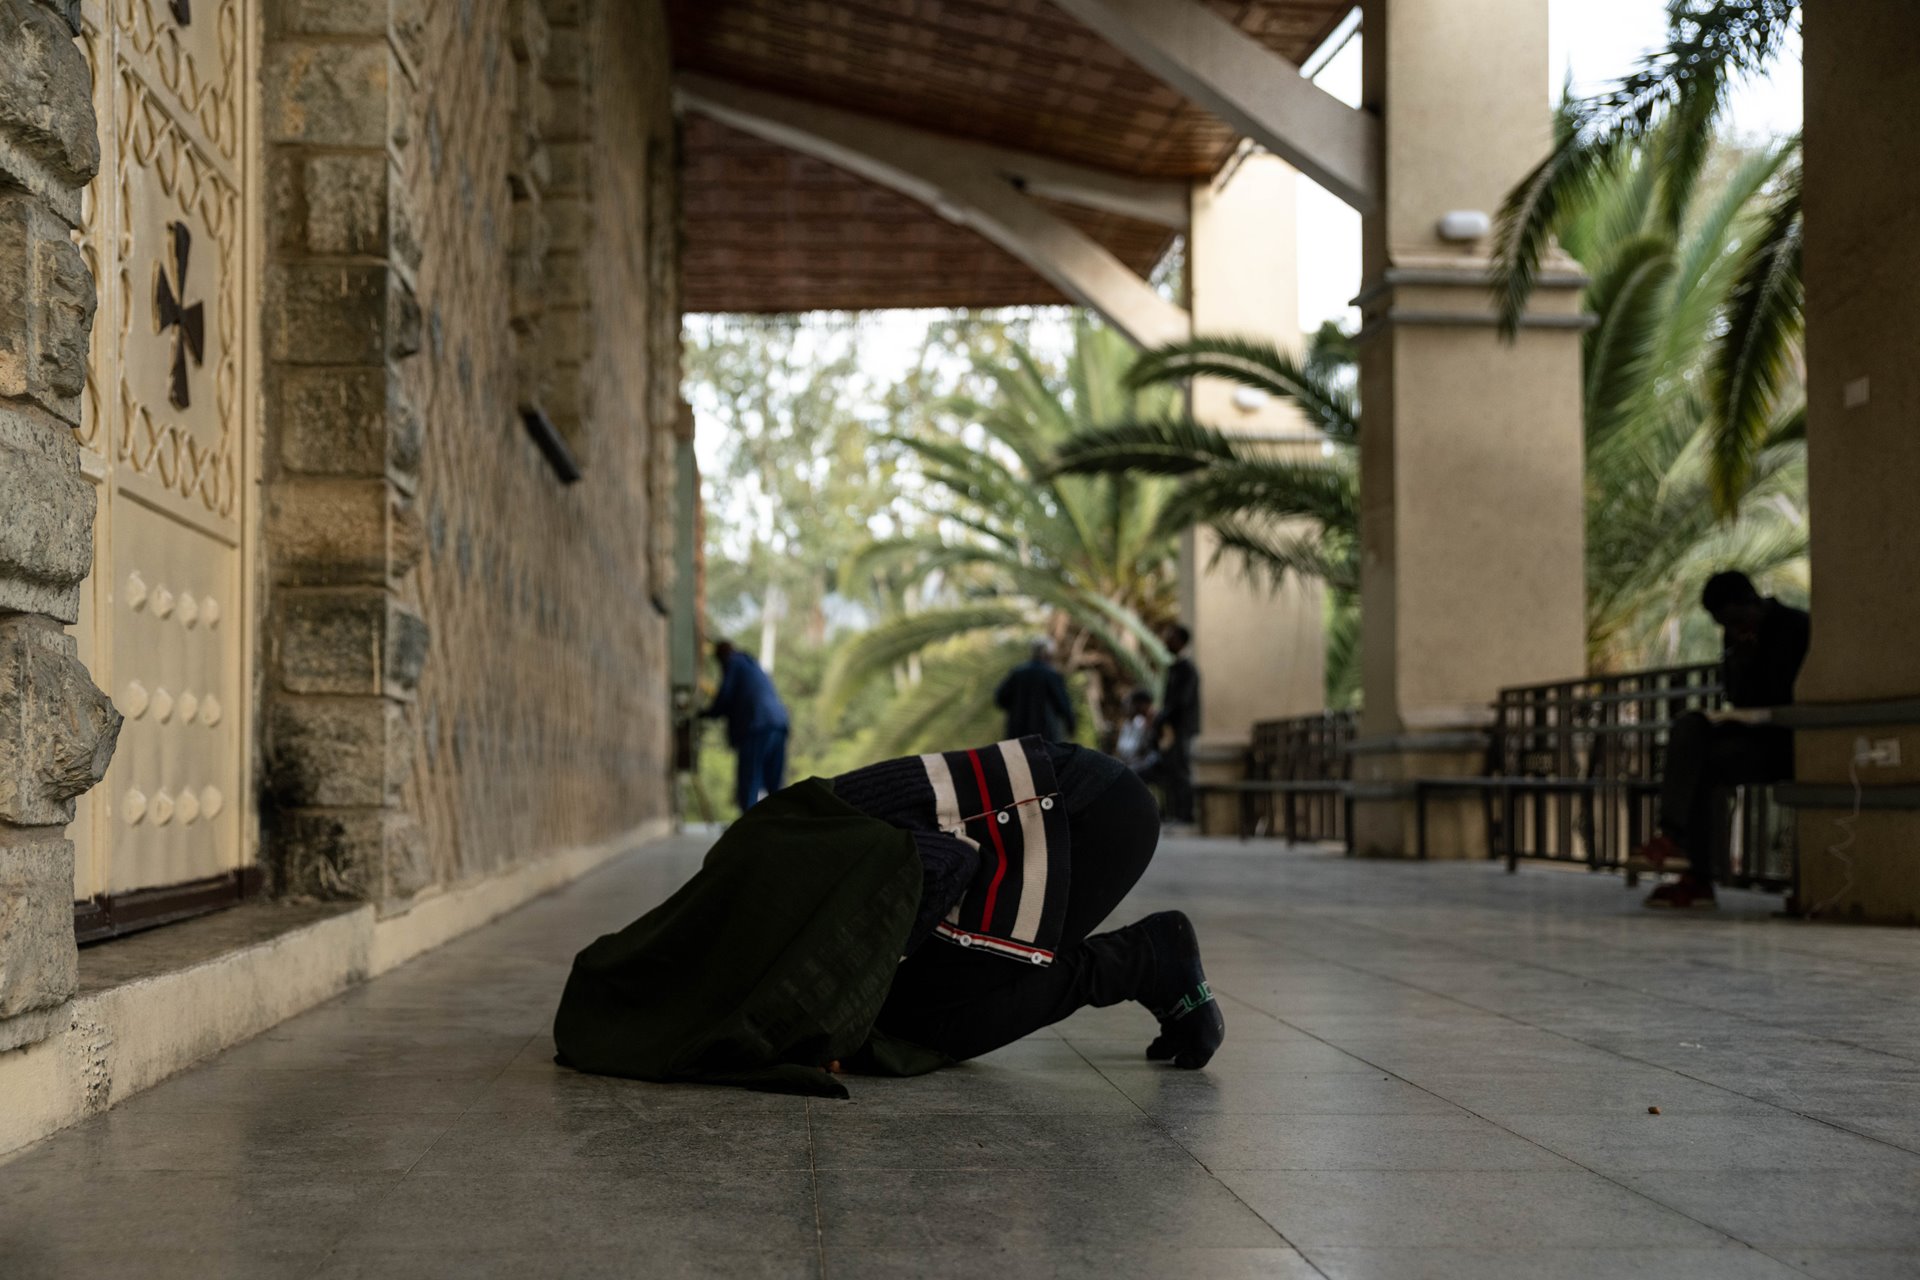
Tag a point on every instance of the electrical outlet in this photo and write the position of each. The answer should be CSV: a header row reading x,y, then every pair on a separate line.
x,y
1880,753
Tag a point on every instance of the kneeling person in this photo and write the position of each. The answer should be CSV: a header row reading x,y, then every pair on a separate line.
x,y
918,912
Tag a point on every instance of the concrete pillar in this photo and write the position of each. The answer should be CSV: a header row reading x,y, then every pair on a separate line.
x,y
1471,452
1261,652
1862,259
57,731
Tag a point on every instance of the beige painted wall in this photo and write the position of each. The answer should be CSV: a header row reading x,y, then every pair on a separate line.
x,y
1261,653
1862,261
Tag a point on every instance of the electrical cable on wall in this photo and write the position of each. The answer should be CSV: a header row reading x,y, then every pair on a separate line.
x,y
1838,851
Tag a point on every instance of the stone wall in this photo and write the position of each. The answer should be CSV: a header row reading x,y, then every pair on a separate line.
x,y
471,217
57,731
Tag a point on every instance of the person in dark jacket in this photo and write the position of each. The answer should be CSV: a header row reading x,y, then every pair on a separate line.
x,y
757,724
1176,727
892,920
1034,696
1764,644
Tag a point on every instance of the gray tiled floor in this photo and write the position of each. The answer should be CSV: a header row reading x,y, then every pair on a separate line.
x,y
1432,1072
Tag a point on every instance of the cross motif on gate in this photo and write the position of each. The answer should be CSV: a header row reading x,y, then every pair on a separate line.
x,y
170,311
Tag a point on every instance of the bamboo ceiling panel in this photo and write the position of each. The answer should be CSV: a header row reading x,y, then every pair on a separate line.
x,y
770,230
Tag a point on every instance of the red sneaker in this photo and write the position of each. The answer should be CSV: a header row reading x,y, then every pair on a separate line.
x,y
1683,895
1655,853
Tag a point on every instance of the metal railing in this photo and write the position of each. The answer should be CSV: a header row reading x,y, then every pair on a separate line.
x,y
1299,773
1573,771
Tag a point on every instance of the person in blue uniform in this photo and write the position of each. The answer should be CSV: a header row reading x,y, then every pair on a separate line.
x,y
757,724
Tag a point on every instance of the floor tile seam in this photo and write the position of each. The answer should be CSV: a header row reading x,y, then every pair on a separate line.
x,y
813,1192
1161,1125
1200,1163
1614,1053
1474,953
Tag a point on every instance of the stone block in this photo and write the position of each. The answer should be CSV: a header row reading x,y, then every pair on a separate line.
x,y
569,221
326,313
409,26
46,537
349,641
359,855
346,204
566,61
569,338
331,93
569,115
339,532
406,432
325,753
403,319
405,246
57,731
327,17
39,964
46,309
571,166
567,281
46,93
527,31
332,422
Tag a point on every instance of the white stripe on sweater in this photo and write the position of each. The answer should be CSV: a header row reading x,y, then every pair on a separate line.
x,y
1033,841
946,801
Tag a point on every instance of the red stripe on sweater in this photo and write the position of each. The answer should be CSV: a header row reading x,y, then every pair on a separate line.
x,y
999,846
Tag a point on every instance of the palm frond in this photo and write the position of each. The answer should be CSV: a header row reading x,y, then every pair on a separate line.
x,y
1154,448
872,653
1251,362
1765,316
1326,492
1629,300
1274,555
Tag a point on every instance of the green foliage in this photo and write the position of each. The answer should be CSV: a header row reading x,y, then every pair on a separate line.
x,y
1631,162
1003,549
1675,243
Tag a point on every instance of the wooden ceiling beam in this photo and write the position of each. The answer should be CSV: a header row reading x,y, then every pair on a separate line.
x,y
1217,66
974,185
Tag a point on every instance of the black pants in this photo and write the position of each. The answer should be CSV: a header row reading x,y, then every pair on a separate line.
x,y
966,1003
1173,772
1703,757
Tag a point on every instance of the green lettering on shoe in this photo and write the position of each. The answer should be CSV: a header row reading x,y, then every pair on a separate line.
x,y
1188,1003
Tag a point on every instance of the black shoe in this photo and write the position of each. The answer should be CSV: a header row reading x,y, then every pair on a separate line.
x,y
1191,1024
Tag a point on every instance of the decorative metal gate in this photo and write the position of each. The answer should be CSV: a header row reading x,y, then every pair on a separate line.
x,y
165,619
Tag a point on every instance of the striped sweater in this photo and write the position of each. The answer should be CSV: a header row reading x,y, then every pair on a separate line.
x,y
996,807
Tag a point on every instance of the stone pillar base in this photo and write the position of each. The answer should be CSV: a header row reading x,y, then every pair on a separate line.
x,y
1386,820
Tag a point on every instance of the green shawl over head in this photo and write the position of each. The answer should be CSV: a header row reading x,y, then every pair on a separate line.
x,y
769,964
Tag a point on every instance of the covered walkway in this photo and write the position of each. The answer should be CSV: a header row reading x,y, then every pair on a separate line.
x,y
1432,1071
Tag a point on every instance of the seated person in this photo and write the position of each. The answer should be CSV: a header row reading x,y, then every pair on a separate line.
x,y
1135,746
1765,643
898,918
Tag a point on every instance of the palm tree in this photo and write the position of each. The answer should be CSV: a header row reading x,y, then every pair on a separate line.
x,y
1274,507
1012,551
1665,267
1677,94
1653,530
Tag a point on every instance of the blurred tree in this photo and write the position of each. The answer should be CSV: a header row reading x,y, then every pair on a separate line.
x,y
1006,551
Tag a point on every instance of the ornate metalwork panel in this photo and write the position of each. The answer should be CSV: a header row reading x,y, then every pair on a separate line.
x,y
165,440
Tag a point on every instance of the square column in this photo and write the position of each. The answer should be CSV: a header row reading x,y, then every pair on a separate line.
x,y
1862,265
1261,652
1471,454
